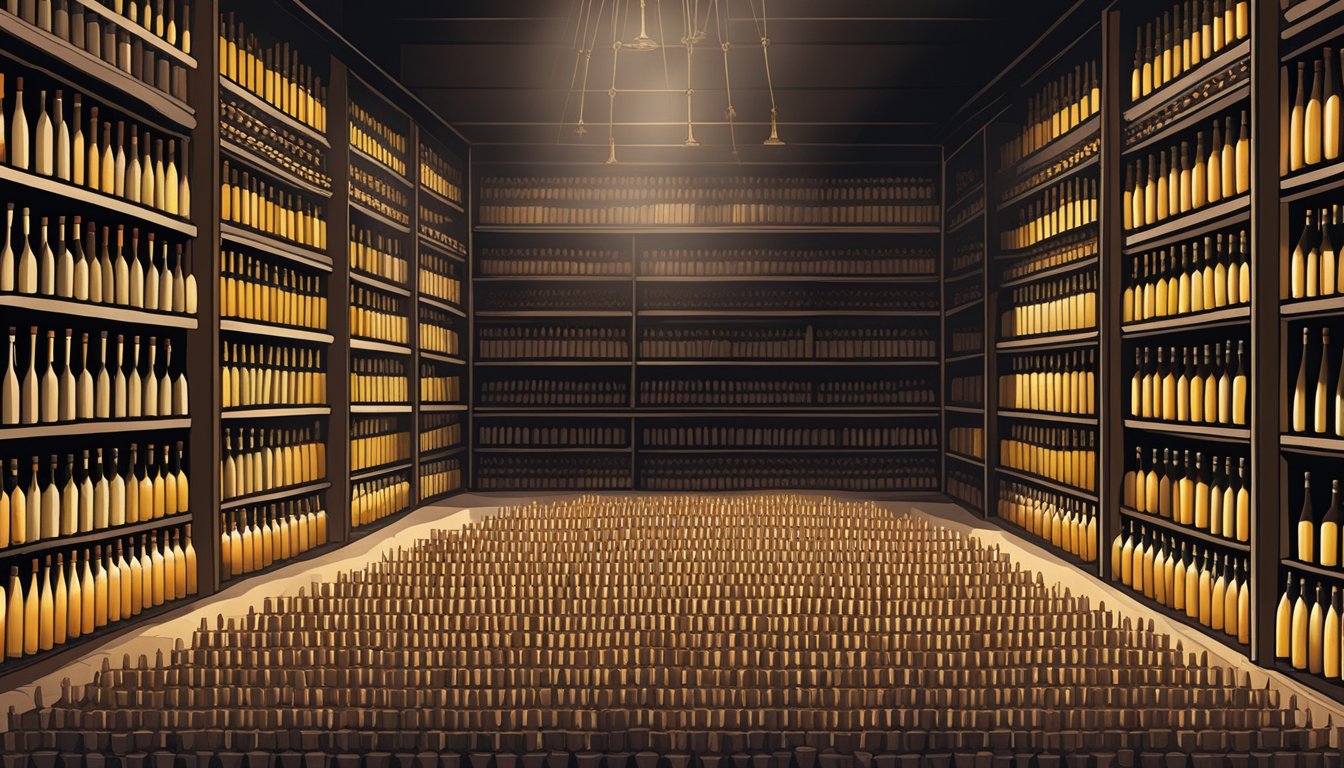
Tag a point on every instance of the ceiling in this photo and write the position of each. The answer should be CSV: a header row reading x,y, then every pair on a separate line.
x,y
853,79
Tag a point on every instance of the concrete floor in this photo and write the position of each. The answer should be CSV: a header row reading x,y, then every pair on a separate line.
x,y
236,600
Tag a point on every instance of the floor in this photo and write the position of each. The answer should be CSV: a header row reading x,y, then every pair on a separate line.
x,y
238,599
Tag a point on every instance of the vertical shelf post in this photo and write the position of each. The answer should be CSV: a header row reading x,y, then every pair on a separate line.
x,y
1112,395
338,295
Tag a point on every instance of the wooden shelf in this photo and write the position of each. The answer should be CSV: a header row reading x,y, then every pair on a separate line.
x,y
1188,430
93,537
1035,249
1178,87
547,449
962,358
1309,183
435,356
1185,532
99,71
53,186
1191,117
977,216
275,331
1320,571
363,210
1189,225
79,428
571,313
785,313
441,453
965,459
978,187
1051,484
439,304
1049,418
1040,186
232,233
1306,308
963,307
387,469
278,495
975,270
379,283
1082,133
227,86
559,279
1047,342
358,154
442,249
728,412
275,412
443,408
1315,446
575,363
812,451
1306,15
441,200
726,229
240,154
1217,318
1046,274
964,409
157,43
369,345
380,408
791,363
89,310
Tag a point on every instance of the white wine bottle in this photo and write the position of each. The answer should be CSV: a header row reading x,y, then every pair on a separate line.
x,y
1300,393
1321,398
1329,530
1306,525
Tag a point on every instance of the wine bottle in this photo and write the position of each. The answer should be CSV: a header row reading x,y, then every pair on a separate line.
x,y
1312,119
1306,525
1321,398
1297,120
19,149
9,387
7,262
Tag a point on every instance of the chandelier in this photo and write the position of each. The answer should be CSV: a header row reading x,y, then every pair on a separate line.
x,y
599,27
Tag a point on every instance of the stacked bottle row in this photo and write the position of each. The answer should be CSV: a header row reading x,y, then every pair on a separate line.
x,y
1174,182
967,441
1312,135
374,191
849,472
1307,633
968,254
965,484
504,342
1211,389
788,437
553,392
129,163
1188,33
244,125
86,263
539,471
375,253
1200,276
1317,407
1058,382
1211,496
104,584
437,386
254,538
1065,207
774,391
1209,587
381,497
537,262
436,332
969,390
252,288
1060,106
61,496
1314,266
83,383
439,477
439,176
377,441
249,201
554,297
788,297
440,277
542,437
792,262
260,374
378,380
273,74
1067,249
959,294
440,431
1041,174
1067,455
1066,523
784,343
968,211
961,341
436,226
375,138
378,316
262,460
1055,306
1318,541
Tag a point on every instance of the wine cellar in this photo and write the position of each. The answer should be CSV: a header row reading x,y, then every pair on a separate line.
x,y
672,385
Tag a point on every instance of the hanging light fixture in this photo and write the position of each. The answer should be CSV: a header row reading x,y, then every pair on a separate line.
x,y
764,26
643,42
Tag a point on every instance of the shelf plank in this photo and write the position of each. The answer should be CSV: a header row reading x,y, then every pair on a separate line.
x,y
1056,271
963,307
964,409
442,358
1334,574
441,200
977,216
1174,89
1049,418
732,362
1199,321
1035,249
576,313
380,408
443,408
1316,446
275,412
440,304
1019,197
240,154
296,253
964,357
556,279
880,279
441,453
1185,532
1192,224
547,449
79,428
1312,15
1082,133
227,86
1309,183
106,312
966,459
93,537
1191,117
363,210
1047,341
820,412
1303,308
358,154
442,249
1051,484
390,469
154,41
278,495
552,363
379,283
821,449
726,229
979,186
1221,434
53,186
174,110
708,313
369,345
275,331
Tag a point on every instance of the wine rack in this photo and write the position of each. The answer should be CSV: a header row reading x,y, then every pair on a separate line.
x,y
256,538
964,304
